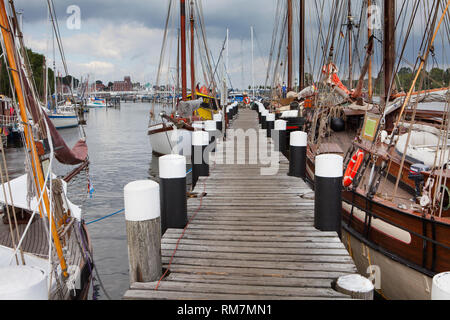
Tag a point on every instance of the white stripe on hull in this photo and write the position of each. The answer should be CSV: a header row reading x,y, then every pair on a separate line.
x,y
66,121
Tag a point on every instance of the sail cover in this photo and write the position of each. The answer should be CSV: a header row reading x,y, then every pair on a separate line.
x,y
187,108
78,154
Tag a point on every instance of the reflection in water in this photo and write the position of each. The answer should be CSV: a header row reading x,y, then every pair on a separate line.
x,y
119,153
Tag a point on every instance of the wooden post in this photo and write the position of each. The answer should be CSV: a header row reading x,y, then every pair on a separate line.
x,y
355,286
143,223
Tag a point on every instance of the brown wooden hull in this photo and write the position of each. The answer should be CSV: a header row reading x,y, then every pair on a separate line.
x,y
428,250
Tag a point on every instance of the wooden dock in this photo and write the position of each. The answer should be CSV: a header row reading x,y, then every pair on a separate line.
x,y
251,237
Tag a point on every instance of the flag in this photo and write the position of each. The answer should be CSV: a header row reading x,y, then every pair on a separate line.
x,y
91,189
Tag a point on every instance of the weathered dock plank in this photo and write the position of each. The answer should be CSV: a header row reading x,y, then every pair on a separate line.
x,y
251,237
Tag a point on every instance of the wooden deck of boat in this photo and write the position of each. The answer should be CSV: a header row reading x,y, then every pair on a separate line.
x,y
251,237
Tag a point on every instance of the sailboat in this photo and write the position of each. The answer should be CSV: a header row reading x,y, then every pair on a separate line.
x,y
45,249
395,213
174,133
63,114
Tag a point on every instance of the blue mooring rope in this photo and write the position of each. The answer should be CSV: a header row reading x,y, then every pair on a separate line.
x,y
110,215
120,211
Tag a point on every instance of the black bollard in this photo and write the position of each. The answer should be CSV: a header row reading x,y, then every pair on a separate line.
x,y
297,161
172,175
328,192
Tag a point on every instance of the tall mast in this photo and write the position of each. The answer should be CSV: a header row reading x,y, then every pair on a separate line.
x,y
302,45
178,63
389,46
194,94
253,65
183,49
37,172
369,34
350,44
290,43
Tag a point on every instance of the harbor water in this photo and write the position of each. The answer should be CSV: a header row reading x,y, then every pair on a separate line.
x,y
119,153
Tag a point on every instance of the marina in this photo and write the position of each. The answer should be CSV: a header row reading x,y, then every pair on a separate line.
x,y
312,165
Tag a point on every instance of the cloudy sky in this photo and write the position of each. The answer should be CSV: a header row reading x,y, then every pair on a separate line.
x,y
118,38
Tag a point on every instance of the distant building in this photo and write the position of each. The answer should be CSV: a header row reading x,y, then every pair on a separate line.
x,y
124,85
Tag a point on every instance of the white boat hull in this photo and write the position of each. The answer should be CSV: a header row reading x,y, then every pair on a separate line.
x,y
63,121
169,141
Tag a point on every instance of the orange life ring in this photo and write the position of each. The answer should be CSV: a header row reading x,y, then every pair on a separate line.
x,y
246,100
353,168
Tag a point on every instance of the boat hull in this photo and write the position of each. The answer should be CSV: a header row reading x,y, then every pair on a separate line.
x,y
393,280
64,121
403,262
165,140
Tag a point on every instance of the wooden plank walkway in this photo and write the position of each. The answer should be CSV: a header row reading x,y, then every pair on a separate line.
x,y
251,237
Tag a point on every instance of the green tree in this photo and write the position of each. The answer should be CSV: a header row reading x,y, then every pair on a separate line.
x,y
437,78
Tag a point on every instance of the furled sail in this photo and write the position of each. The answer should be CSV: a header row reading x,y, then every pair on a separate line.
x,y
186,108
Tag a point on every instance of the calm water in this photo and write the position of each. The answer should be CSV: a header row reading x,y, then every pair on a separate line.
x,y
119,152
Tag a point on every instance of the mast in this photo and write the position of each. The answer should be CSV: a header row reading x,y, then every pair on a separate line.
x,y
302,45
389,46
178,64
369,34
290,43
350,44
253,65
193,90
37,171
183,49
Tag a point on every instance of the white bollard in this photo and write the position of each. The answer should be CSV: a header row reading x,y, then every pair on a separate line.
x,y
143,221
440,289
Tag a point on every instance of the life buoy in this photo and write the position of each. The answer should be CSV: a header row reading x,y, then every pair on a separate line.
x,y
353,168
246,100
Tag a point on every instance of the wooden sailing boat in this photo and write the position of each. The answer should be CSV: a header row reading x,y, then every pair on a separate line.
x,y
173,134
396,208
45,250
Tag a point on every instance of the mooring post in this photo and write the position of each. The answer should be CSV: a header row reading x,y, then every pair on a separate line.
x,y
211,129
297,161
172,175
279,135
328,187
218,120
229,115
200,158
355,286
264,115
440,289
143,224
270,124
